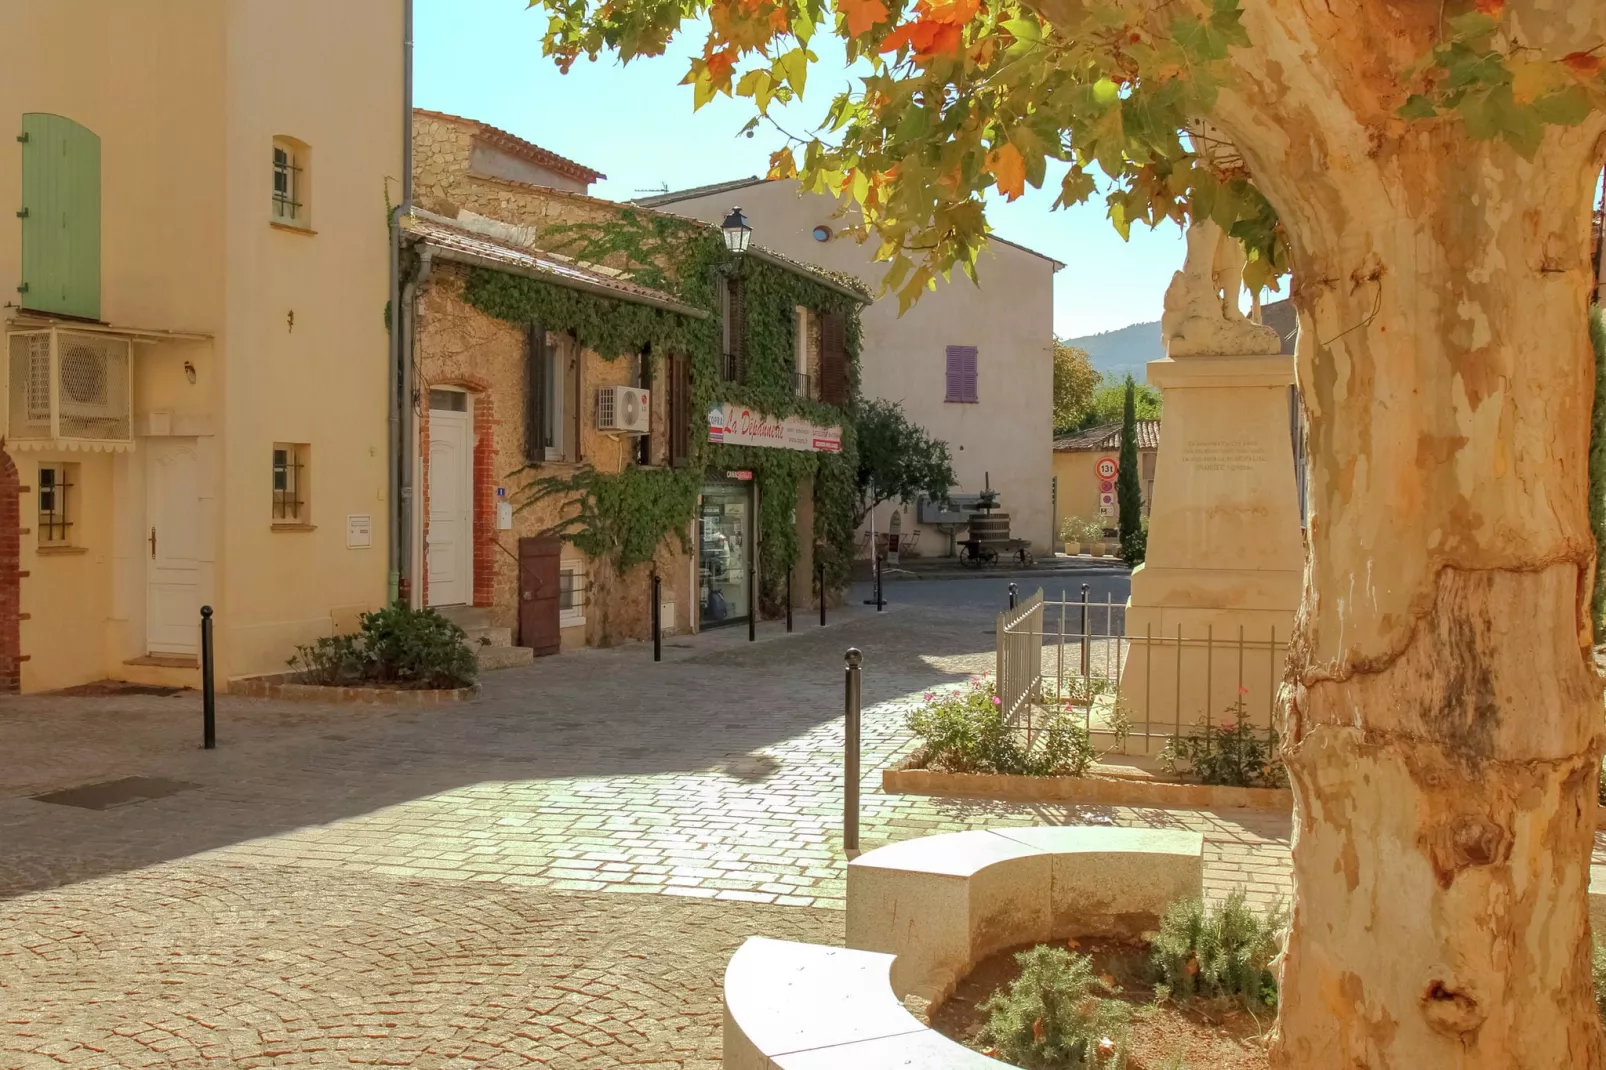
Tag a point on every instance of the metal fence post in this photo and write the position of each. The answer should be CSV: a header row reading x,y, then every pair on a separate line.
x,y
208,690
1012,596
752,599
880,601
789,598
819,570
657,619
850,757
1086,641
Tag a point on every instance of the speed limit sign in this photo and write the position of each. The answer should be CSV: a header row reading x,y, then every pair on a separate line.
x,y
1107,468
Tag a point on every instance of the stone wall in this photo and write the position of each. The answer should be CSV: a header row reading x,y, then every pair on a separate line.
x,y
460,346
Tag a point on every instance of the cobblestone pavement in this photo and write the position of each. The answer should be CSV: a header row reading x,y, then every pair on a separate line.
x,y
444,886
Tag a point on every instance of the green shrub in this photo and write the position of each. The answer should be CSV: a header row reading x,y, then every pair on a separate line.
x,y
1135,544
398,646
965,731
1081,529
1050,1017
1218,952
1235,753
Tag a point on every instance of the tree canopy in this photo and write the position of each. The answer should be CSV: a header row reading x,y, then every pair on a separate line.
x,y
1075,382
898,459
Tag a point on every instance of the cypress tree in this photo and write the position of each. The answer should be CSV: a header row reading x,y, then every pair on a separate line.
x,y
1128,488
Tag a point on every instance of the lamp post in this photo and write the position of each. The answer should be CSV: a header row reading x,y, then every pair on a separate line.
x,y
737,231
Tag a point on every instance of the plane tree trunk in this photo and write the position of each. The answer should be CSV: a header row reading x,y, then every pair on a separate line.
x,y
1443,717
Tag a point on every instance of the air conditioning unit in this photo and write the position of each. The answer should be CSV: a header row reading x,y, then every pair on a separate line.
x,y
624,408
70,388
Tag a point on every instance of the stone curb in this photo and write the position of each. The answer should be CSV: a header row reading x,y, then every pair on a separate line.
x,y
284,686
1098,791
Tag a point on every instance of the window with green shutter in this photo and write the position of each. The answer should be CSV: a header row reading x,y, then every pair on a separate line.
x,y
60,216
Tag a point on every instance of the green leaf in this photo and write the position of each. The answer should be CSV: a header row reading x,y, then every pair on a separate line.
x,y
1105,92
1567,107
1417,106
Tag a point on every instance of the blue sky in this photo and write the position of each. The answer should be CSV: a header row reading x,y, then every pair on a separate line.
x,y
482,59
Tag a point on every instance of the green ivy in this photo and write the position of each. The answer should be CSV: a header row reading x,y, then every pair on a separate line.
x,y
626,516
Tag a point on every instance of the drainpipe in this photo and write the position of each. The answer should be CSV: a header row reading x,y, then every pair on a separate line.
x,y
426,258
399,384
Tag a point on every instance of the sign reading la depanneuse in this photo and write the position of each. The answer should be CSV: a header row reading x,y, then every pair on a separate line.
x,y
734,425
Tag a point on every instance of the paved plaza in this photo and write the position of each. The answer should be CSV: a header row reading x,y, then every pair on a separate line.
x,y
551,875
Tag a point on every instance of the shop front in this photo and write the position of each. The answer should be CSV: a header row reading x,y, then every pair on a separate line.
x,y
726,549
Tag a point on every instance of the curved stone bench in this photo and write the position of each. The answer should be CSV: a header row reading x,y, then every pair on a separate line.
x,y
921,914
792,1006
941,904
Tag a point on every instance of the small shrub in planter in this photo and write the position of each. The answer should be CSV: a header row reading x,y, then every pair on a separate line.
x,y
1221,952
965,731
395,647
1052,1017
1234,754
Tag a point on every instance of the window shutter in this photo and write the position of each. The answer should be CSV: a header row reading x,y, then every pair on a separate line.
x,y
969,381
61,216
679,410
834,360
961,373
739,333
535,399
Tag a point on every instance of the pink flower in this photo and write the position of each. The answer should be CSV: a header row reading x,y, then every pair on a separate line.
x,y
1243,691
997,701
930,695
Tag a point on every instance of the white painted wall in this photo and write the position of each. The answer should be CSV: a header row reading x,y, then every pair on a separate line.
x,y
1008,433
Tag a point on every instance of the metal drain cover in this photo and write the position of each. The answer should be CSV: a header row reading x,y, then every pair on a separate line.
x,y
113,793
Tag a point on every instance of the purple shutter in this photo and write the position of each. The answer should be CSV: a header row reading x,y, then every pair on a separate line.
x,y
955,374
969,382
961,373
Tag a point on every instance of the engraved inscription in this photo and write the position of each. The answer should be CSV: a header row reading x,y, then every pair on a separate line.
x,y
1224,454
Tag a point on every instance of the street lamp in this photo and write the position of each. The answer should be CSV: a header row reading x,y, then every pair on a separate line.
x,y
737,232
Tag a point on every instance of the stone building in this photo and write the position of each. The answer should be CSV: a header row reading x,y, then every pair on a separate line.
x,y
542,511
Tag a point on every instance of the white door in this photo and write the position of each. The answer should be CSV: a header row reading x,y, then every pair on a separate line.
x,y
172,545
450,543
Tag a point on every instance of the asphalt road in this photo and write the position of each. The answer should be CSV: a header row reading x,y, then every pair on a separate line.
x,y
994,591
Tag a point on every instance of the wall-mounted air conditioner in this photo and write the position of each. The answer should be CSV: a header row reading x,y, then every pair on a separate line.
x,y
626,409
69,388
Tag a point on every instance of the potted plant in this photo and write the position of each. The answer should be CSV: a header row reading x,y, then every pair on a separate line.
x,y
1081,535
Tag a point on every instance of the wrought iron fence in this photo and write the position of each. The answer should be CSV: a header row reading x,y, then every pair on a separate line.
x,y
1135,687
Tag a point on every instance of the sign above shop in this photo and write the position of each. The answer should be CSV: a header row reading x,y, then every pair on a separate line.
x,y
744,475
735,425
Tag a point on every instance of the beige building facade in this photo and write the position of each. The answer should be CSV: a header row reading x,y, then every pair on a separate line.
x,y
971,364
1082,462
196,344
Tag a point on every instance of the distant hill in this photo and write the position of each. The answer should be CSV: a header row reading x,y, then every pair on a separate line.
x,y
1123,352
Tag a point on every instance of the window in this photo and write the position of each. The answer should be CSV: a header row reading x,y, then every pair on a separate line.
x,y
290,484
644,381
571,594
961,374
733,330
290,183
822,233
551,383
60,216
806,358
56,506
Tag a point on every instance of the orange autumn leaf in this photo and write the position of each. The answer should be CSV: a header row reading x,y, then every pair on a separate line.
x,y
1585,63
861,15
926,38
1492,8
1009,170
953,12
720,65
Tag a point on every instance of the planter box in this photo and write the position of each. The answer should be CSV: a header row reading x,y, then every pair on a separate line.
x,y
1100,789
291,687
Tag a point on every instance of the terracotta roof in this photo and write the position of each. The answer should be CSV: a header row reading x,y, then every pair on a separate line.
x,y
517,146
1107,438
464,241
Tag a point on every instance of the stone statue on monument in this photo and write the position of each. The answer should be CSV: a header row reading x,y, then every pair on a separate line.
x,y
1202,317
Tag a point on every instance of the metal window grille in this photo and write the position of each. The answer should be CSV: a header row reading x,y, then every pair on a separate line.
x,y
55,488
286,185
571,591
289,467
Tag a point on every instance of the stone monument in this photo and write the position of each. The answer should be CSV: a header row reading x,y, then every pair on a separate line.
x,y
1225,552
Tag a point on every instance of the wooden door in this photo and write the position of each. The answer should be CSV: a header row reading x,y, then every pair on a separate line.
x,y
450,543
538,594
173,546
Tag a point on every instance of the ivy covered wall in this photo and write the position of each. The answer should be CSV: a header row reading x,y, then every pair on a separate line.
x,y
624,517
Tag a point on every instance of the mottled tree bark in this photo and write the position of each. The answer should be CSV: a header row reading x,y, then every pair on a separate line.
x,y
1443,716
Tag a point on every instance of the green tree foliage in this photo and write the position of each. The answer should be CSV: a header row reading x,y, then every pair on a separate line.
x,y
1219,952
1075,382
1597,471
898,460
1109,403
1128,483
1051,1016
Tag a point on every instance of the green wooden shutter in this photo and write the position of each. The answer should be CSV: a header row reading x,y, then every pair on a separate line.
x,y
61,216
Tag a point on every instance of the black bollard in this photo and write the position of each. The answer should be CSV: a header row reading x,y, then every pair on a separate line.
x,y
657,619
1086,642
850,756
1012,596
820,571
752,600
789,599
880,601
208,691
